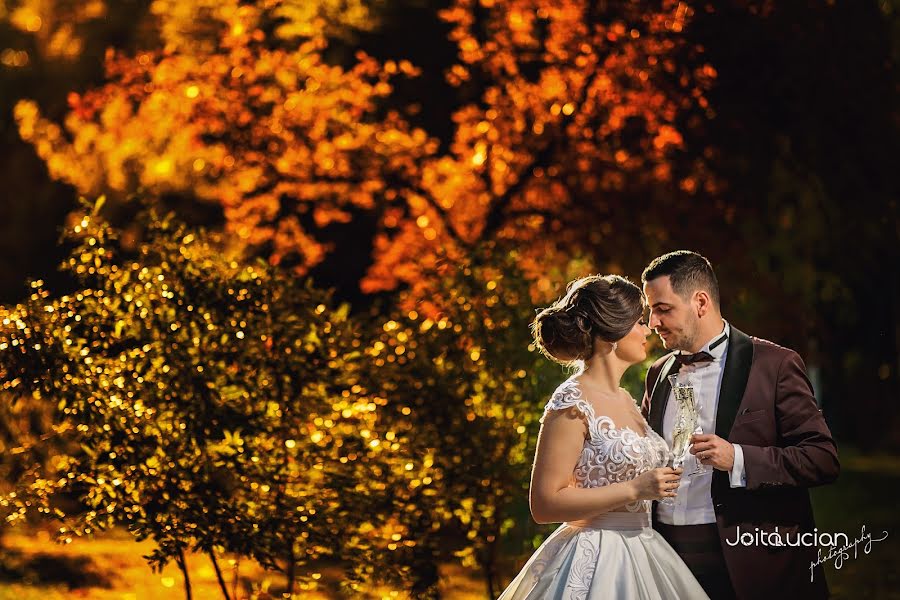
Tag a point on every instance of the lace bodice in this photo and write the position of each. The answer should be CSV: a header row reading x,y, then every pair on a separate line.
x,y
610,454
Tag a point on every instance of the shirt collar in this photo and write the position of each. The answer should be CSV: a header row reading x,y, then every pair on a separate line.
x,y
717,346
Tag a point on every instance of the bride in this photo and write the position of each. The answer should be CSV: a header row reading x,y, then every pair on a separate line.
x,y
598,465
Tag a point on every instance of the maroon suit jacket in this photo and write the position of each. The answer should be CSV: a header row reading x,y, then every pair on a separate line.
x,y
766,405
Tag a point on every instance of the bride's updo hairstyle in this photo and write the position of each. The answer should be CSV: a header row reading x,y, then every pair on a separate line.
x,y
604,307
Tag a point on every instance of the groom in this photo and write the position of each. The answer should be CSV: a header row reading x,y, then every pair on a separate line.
x,y
764,440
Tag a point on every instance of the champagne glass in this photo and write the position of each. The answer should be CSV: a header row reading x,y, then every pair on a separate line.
x,y
685,425
689,402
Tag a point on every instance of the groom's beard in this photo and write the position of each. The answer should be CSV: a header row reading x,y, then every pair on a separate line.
x,y
678,340
670,342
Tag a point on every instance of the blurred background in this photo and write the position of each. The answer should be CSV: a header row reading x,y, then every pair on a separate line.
x,y
366,146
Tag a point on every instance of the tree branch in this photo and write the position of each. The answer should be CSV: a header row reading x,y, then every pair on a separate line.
x,y
542,158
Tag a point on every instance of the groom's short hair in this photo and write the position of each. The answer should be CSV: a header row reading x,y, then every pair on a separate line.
x,y
687,271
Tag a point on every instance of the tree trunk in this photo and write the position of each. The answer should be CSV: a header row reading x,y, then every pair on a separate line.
x,y
291,571
182,564
489,575
212,556
490,563
236,577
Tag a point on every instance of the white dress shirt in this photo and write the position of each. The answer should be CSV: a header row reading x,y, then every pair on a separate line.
x,y
693,502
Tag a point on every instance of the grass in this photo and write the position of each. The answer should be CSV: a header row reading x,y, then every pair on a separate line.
x,y
112,568
867,494
112,565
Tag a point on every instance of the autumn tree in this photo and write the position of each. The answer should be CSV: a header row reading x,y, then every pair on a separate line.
x,y
570,112
58,28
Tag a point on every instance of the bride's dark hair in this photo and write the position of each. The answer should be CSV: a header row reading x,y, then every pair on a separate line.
x,y
596,306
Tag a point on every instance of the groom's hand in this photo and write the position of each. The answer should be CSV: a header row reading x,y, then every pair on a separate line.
x,y
713,451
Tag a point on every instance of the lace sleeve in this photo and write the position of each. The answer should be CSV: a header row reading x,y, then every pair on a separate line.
x,y
567,396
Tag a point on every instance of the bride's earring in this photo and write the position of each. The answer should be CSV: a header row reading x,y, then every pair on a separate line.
x,y
615,345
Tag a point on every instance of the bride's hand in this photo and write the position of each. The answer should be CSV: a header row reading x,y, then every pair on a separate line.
x,y
657,483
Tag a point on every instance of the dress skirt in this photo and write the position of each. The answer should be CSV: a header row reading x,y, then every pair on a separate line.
x,y
616,556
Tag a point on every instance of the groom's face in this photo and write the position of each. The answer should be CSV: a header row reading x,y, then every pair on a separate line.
x,y
671,316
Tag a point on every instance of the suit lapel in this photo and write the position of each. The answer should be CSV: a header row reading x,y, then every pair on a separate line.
x,y
734,380
659,396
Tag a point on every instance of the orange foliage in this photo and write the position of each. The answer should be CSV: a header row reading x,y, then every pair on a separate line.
x,y
578,101
57,27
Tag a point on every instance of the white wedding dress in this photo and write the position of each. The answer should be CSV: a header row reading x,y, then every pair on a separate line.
x,y
617,555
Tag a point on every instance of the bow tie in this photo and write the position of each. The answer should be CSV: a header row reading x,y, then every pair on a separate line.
x,y
691,359
699,357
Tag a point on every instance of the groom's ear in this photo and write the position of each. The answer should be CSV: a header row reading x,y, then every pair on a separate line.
x,y
702,302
